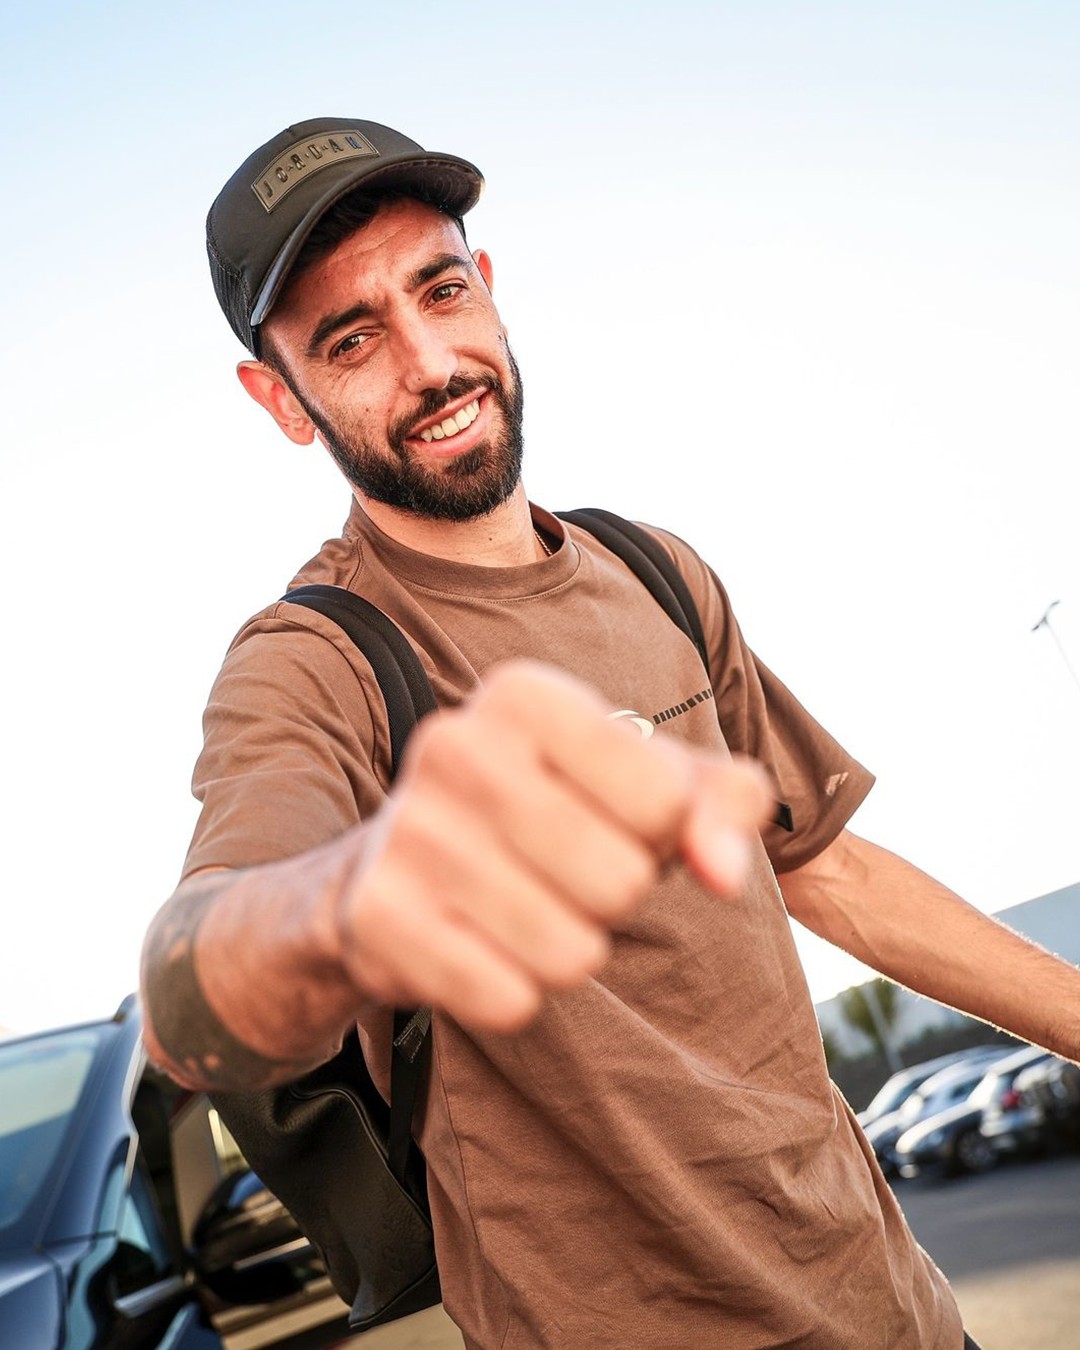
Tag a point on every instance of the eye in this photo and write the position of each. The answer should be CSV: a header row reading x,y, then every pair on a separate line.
x,y
348,345
446,290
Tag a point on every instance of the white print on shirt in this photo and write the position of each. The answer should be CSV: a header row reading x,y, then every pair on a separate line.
x,y
647,725
642,723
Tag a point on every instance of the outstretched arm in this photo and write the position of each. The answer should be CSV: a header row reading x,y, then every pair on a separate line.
x,y
522,828
903,923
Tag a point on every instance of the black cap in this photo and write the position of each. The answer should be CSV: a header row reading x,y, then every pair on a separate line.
x,y
261,217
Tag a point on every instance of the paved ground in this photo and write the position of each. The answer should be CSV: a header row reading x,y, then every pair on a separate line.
x,y
430,1330
1009,1243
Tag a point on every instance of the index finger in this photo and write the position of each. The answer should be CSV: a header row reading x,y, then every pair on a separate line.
x,y
644,786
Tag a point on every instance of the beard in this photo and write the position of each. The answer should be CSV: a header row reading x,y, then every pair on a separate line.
x,y
470,485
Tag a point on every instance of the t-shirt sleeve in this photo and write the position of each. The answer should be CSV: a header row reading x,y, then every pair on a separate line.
x,y
295,744
815,778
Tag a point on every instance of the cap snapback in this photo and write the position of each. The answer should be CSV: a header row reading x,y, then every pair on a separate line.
x,y
261,217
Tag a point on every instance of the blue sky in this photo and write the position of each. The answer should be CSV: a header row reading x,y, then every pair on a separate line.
x,y
798,281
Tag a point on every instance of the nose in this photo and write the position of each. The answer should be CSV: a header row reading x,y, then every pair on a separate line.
x,y
429,361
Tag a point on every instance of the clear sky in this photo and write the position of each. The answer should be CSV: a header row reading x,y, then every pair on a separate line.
x,y
798,281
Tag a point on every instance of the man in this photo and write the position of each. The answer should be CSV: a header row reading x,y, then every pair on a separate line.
x,y
630,1133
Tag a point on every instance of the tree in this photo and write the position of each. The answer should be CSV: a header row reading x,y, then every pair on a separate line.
x,y
834,1056
872,1008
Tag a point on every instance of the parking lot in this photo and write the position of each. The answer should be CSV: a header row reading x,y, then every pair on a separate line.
x,y
1009,1241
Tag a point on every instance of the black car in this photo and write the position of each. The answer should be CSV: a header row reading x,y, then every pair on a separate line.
x,y
952,1140
128,1220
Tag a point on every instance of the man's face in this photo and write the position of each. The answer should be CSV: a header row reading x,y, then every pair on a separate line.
x,y
393,348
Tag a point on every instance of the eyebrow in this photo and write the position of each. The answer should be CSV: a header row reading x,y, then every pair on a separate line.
x,y
362,310
332,322
443,263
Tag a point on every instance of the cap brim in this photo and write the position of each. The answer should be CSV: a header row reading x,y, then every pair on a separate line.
x,y
453,185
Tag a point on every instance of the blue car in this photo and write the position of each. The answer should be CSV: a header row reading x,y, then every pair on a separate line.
x,y
128,1220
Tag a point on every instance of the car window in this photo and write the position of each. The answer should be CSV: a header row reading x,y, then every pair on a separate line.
x,y
40,1084
142,1254
891,1096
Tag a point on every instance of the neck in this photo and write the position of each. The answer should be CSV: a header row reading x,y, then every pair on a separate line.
x,y
503,538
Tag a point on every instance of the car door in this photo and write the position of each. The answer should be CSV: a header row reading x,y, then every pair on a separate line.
x,y
149,1295
261,1281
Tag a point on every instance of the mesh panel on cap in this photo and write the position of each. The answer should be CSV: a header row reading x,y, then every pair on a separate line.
x,y
232,296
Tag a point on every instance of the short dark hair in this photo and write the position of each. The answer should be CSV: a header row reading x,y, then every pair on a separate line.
x,y
352,213
355,210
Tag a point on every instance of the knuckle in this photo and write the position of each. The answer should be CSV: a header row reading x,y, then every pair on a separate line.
x,y
521,687
453,752
439,737
462,762
509,688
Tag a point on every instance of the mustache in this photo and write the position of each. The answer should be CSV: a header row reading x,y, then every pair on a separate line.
x,y
433,401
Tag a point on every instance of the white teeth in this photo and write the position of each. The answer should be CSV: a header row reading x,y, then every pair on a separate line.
x,y
450,426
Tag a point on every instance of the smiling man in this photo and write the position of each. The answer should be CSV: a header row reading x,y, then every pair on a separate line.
x,y
438,438
631,1137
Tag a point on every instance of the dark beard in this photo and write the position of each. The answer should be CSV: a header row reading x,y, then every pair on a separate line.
x,y
470,485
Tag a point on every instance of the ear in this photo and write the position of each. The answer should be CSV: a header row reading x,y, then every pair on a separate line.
x,y
483,264
271,392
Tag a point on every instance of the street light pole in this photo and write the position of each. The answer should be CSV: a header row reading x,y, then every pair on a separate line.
x,y
1044,622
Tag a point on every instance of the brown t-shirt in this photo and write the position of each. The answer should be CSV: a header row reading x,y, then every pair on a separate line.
x,y
660,1159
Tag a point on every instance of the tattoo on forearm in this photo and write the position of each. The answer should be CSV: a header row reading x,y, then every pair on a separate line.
x,y
199,1047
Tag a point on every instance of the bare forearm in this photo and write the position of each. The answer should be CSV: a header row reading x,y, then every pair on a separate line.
x,y
901,922
239,983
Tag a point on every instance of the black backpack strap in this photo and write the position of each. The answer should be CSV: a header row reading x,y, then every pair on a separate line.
x,y
407,693
650,562
398,672
408,1064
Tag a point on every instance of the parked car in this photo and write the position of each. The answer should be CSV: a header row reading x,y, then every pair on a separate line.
x,y
950,1141
128,1220
1046,1113
898,1088
940,1089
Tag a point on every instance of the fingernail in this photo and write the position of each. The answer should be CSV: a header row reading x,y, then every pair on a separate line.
x,y
729,854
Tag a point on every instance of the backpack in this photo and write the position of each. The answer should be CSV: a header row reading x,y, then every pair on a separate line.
x,y
328,1146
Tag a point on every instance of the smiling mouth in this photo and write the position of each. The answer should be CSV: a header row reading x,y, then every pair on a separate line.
x,y
451,426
